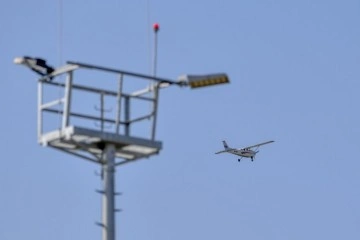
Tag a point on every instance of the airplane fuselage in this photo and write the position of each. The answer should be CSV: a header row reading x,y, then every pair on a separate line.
x,y
243,152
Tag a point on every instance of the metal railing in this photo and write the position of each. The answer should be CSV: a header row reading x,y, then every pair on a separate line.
x,y
123,100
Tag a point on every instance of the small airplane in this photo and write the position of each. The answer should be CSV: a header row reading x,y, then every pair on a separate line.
x,y
246,152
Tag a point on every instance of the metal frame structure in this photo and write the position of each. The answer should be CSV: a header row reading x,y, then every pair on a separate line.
x,y
100,145
69,86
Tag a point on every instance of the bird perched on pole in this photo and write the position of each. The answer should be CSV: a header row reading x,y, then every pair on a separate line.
x,y
38,65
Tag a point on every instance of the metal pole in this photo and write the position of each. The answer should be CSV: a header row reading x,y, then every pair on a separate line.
x,y
155,52
155,107
118,116
39,116
102,110
67,100
155,86
127,116
108,202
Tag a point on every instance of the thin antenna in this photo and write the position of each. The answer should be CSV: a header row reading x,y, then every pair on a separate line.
x,y
60,26
156,28
148,33
60,50
155,85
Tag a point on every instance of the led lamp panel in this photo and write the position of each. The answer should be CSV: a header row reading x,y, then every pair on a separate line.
x,y
65,145
140,149
125,156
209,80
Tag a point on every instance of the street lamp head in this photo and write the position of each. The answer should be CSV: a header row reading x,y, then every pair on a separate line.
x,y
196,81
19,60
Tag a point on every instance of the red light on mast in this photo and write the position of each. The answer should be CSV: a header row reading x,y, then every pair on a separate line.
x,y
156,27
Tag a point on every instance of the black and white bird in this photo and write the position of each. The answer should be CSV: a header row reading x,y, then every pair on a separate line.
x,y
38,65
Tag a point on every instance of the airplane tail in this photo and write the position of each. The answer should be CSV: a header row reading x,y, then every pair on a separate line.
x,y
225,145
226,148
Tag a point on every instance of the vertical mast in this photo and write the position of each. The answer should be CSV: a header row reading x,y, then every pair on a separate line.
x,y
155,86
108,201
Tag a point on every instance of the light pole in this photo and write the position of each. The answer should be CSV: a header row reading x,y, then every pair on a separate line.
x,y
104,147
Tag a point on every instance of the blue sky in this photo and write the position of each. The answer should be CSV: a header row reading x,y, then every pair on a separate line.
x,y
294,70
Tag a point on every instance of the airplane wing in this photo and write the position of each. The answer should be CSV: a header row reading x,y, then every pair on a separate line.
x,y
258,145
223,151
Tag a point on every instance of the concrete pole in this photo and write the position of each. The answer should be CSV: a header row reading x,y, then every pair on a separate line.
x,y
108,201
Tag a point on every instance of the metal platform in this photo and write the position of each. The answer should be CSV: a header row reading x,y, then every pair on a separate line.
x,y
78,141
